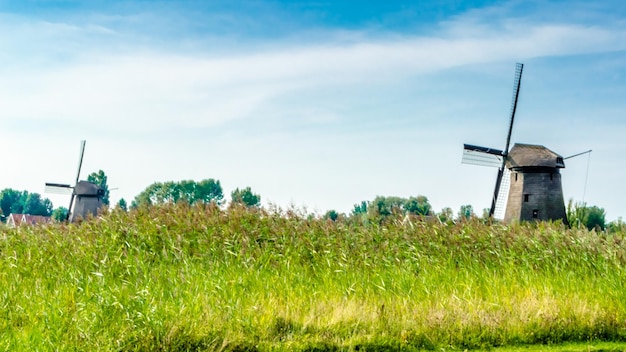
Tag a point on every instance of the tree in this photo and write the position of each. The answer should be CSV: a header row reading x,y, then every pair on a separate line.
x,y
208,191
466,212
8,197
33,204
122,204
596,218
418,206
332,215
100,178
245,197
60,214
191,192
592,217
12,201
385,206
360,209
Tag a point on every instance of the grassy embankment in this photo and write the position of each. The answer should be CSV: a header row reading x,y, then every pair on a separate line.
x,y
180,278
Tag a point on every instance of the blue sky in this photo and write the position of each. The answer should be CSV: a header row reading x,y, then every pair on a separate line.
x,y
316,104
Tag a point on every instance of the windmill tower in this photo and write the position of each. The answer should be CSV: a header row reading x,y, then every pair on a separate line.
x,y
528,184
88,195
535,191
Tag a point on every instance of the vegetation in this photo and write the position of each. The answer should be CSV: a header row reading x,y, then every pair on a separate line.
x,y
245,197
100,179
188,191
182,277
121,204
582,215
23,202
383,207
60,214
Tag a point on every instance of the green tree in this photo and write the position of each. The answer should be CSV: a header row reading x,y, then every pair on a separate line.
x,y
205,191
8,197
100,178
331,215
122,204
385,206
418,206
592,217
12,201
246,197
466,212
595,218
33,204
60,214
360,209
208,191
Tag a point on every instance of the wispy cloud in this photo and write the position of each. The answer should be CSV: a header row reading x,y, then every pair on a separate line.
x,y
203,90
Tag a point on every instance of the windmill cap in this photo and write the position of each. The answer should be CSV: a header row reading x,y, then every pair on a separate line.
x,y
86,188
531,155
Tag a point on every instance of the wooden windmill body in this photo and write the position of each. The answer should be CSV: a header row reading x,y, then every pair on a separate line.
x,y
535,191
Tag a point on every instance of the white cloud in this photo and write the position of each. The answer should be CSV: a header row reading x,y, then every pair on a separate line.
x,y
201,91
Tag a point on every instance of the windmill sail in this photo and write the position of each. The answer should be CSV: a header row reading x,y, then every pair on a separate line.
x,y
80,164
503,195
519,68
58,188
482,156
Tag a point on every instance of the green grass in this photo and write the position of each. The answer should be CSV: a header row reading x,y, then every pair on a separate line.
x,y
181,278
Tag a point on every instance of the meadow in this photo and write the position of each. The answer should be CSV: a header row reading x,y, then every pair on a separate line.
x,y
194,278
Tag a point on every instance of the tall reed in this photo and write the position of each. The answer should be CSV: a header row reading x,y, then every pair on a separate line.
x,y
200,278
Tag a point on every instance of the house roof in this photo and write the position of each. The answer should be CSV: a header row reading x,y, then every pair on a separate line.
x,y
26,219
532,155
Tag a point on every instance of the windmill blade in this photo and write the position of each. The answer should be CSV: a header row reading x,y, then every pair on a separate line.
x,y
58,188
503,195
579,154
482,156
519,68
80,164
69,208
80,160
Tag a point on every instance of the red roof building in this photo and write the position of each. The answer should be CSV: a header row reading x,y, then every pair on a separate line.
x,y
15,220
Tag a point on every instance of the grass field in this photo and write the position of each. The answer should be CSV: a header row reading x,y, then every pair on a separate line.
x,y
181,278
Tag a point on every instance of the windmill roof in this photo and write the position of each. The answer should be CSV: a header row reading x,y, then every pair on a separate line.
x,y
531,155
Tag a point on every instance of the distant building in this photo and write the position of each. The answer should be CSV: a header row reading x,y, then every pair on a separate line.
x,y
15,220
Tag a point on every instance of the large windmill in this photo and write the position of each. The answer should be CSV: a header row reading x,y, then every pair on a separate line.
x,y
87,194
528,185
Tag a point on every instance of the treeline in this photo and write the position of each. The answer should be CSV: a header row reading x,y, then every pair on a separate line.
x,y
192,192
210,190
381,208
23,202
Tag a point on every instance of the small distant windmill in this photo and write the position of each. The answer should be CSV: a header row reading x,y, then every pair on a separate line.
x,y
528,185
88,195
